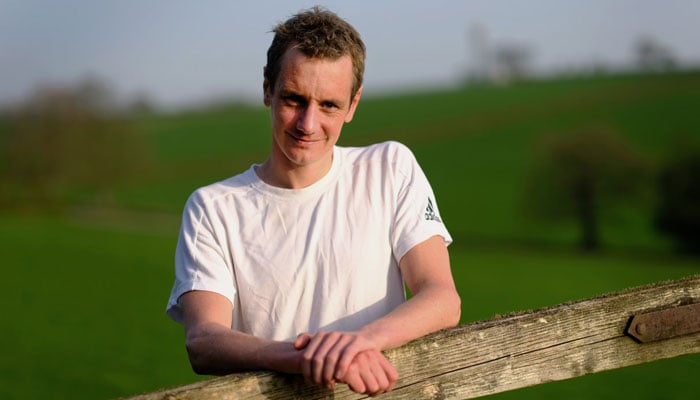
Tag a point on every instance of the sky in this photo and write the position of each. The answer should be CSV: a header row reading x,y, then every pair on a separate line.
x,y
181,52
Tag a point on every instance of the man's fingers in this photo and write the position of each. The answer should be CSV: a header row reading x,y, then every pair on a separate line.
x,y
324,359
371,373
391,374
384,373
348,354
380,377
316,355
333,349
353,380
367,374
307,357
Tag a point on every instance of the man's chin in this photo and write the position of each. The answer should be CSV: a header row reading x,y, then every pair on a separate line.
x,y
306,157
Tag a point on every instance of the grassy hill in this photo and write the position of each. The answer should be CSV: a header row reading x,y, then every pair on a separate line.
x,y
86,289
476,145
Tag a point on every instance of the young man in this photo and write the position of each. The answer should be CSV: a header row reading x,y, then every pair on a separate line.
x,y
298,264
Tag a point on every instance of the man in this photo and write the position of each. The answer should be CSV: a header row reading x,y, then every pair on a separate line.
x,y
298,264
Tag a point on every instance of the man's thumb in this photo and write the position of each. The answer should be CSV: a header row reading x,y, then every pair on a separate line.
x,y
302,341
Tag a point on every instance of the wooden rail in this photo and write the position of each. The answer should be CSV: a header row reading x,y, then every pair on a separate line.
x,y
505,353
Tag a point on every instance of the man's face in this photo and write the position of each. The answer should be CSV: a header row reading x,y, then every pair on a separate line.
x,y
309,105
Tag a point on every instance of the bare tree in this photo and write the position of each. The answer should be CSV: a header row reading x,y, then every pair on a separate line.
x,y
511,61
479,51
580,173
653,56
498,63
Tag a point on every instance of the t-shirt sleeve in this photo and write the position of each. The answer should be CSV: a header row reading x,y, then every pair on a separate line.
x,y
417,216
200,261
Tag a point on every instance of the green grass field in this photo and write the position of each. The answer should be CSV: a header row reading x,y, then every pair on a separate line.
x,y
85,291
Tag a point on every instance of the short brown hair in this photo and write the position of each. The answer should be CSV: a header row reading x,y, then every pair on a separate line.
x,y
317,33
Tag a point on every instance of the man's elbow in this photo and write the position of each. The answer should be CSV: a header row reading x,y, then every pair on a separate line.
x,y
196,355
200,368
202,357
455,310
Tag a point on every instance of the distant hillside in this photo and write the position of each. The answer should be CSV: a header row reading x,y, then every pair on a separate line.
x,y
475,143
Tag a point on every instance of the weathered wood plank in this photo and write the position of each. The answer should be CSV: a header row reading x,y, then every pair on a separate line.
x,y
507,353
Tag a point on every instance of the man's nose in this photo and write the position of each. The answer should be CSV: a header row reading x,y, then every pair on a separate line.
x,y
307,120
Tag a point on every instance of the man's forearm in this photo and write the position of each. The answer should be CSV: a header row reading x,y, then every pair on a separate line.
x,y
216,350
433,308
435,303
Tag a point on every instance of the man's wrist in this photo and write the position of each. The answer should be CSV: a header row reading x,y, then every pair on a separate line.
x,y
374,337
282,357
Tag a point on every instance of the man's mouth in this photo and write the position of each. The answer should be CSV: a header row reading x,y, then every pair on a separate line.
x,y
303,139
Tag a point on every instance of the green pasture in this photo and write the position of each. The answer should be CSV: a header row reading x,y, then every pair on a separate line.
x,y
85,291
86,308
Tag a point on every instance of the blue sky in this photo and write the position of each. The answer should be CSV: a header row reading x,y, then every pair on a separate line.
x,y
180,52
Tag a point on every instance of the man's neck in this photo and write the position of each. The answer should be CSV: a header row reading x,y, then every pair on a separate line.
x,y
292,177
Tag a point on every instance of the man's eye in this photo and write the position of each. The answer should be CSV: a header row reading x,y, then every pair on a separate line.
x,y
293,100
330,106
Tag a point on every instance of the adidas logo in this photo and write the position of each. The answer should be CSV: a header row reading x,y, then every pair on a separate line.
x,y
430,214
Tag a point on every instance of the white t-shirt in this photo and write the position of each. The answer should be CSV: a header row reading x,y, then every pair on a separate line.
x,y
324,257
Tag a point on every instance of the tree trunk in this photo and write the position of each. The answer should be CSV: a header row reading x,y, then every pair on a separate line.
x,y
587,216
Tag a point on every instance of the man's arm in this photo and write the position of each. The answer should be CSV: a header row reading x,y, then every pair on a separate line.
x,y
327,357
214,348
435,305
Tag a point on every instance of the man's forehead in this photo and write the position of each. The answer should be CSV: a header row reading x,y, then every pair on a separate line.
x,y
294,56
332,74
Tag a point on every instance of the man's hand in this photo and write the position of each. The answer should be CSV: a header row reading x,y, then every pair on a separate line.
x,y
330,357
371,373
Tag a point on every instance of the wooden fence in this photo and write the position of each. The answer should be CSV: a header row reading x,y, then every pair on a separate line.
x,y
555,343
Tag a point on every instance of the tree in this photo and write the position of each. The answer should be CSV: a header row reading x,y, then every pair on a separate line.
x,y
65,139
578,174
678,211
511,61
652,56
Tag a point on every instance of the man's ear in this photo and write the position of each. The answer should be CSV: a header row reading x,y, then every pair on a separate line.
x,y
353,105
266,89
